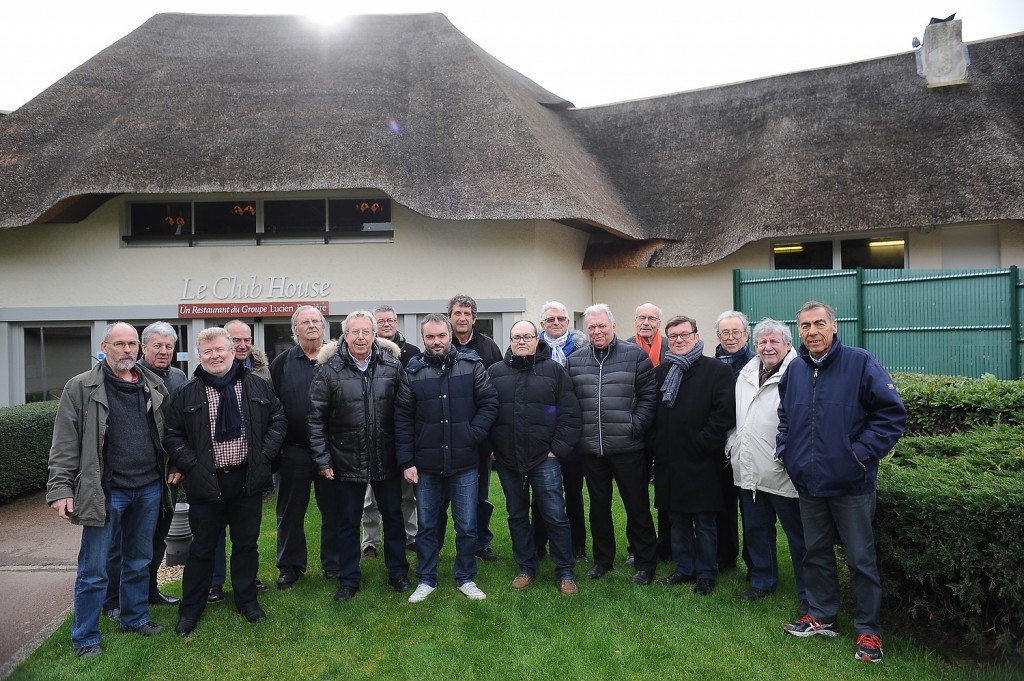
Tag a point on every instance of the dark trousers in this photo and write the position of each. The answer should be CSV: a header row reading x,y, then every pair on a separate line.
x,y
350,497
572,486
629,472
239,511
163,524
296,475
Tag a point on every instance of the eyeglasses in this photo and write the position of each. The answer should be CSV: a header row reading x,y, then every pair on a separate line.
x,y
525,338
682,335
388,322
552,320
246,341
210,352
730,333
648,318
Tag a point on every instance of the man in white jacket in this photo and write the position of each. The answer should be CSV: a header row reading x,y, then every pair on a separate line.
x,y
766,492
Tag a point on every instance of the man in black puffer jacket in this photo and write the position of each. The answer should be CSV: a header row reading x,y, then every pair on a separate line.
x,y
614,381
538,423
352,440
439,433
226,472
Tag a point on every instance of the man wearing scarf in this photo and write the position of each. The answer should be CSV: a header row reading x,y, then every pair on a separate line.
x,y
696,410
224,428
648,332
107,473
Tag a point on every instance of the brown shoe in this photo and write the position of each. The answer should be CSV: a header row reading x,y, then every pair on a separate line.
x,y
369,553
567,587
522,581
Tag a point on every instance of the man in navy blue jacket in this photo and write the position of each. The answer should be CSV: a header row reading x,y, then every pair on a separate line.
x,y
839,414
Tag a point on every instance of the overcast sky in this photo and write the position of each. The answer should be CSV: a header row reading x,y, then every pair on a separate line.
x,y
583,50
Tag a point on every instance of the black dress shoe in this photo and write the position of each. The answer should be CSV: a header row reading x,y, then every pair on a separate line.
x,y
255,614
400,583
487,554
643,577
598,571
185,626
287,578
677,578
157,598
216,594
260,586
345,593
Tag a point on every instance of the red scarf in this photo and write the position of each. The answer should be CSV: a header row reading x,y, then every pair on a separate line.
x,y
653,349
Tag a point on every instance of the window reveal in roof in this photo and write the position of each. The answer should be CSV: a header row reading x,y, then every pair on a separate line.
x,y
879,252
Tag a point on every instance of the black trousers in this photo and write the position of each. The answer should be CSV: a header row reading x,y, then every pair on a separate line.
x,y
241,513
572,485
296,475
629,472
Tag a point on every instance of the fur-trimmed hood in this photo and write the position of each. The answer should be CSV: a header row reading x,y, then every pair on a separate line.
x,y
328,350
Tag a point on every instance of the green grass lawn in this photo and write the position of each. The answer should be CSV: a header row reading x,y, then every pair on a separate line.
x,y
611,630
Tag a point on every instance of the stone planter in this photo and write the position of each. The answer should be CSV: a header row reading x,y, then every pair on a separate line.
x,y
179,536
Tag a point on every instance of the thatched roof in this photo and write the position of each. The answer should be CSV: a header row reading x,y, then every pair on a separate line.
x,y
410,106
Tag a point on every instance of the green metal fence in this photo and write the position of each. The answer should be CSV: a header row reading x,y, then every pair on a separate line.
x,y
954,322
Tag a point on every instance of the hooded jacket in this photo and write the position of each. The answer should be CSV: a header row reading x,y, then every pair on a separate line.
x,y
538,411
617,391
450,413
751,445
352,412
837,421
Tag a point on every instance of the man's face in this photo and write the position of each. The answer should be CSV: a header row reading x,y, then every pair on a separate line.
x,y
732,333
241,340
772,349
816,331
600,330
436,338
216,355
309,328
681,338
647,320
524,339
359,336
555,323
159,351
387,324
121,348
462,318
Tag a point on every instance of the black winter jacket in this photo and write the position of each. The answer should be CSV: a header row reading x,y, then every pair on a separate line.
x,y
189,444
451,411
537,410
352,412
617,391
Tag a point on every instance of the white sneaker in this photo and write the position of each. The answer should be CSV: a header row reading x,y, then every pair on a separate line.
x,y
421,593
472,591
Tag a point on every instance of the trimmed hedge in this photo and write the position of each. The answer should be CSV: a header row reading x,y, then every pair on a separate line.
x,y
26,432
942,405
949,531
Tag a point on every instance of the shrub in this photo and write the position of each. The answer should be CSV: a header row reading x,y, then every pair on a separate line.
x,y
25,435
941,405
950,533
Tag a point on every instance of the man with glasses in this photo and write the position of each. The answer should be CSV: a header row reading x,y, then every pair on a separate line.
x,y
563,341
696,410
733,331
109,474
614,382
387,328
538,423
291,374
647,320
252,357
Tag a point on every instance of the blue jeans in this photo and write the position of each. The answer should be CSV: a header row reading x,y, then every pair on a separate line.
x,y
131,515
350,497
695,544
849,517
546,481
759,538
433,495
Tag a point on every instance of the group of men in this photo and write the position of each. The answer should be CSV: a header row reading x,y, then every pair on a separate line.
x,y
368,421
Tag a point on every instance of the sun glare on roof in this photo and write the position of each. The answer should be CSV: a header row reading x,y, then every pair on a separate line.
x,y
325,16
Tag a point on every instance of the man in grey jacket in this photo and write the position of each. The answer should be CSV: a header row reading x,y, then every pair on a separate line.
x,y
107,473
617,390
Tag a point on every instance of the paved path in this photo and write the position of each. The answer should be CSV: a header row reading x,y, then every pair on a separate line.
x,y
38,557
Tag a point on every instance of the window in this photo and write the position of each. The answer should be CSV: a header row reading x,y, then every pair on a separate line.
x,y
54,354
323,220
879,252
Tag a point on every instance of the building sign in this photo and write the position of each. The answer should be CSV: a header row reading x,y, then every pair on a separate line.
x,y
253,288
284,309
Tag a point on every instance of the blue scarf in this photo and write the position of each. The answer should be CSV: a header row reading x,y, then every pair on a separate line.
x,y
229,413
678,365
